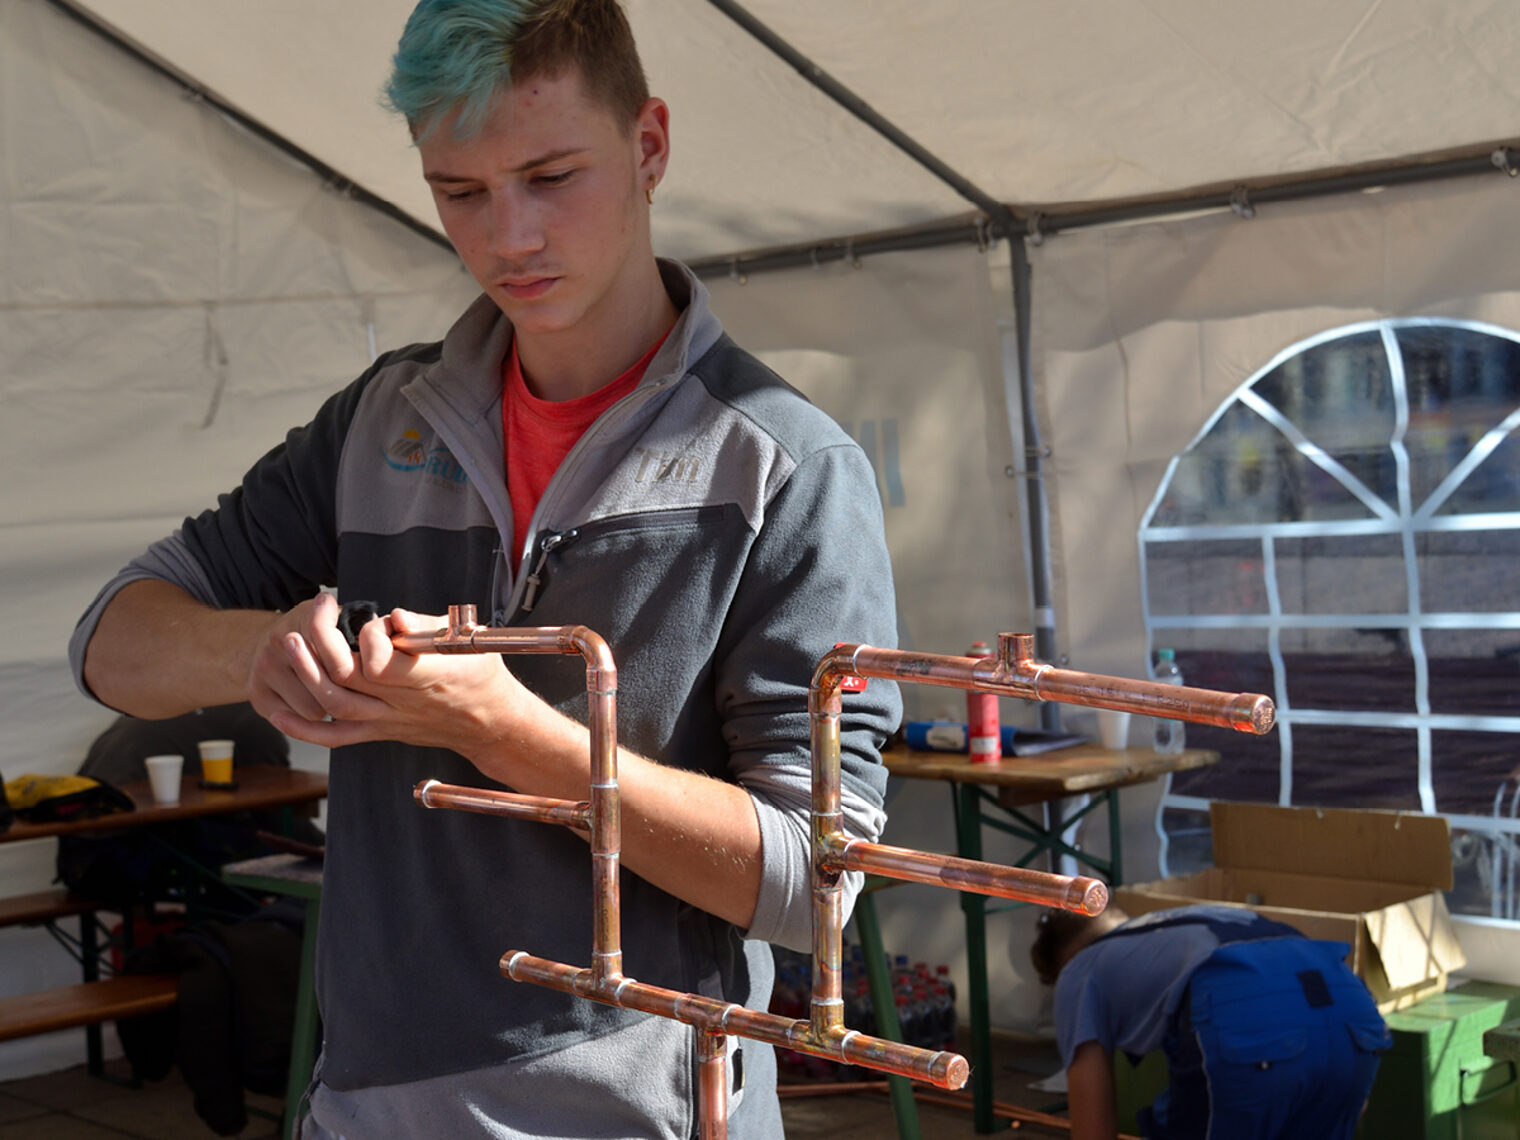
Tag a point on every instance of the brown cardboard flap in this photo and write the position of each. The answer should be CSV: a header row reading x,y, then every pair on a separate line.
x,y
1415,940
1384,846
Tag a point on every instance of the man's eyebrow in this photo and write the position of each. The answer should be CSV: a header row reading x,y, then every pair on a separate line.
x,y
538,160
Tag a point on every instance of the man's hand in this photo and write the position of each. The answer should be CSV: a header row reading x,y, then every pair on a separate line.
x,y
310,685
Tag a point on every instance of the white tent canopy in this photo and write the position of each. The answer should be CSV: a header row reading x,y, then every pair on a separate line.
x,y
177,290
1037,104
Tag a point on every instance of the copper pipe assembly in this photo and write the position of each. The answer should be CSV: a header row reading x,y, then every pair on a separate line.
x,y
1013,672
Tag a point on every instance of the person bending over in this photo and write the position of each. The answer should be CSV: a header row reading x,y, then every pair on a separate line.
x,y
1267,1034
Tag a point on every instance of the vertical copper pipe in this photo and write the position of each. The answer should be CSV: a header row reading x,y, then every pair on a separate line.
x,y
826,1011
606,806
712,1084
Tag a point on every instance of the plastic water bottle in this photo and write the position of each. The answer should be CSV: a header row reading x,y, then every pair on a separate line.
x,y
1170,737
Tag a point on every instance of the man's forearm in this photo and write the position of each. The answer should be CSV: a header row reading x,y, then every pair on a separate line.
x,y
1090,1093
689,834
157,652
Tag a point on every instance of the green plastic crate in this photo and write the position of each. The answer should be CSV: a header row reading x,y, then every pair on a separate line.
x,y
1436,1083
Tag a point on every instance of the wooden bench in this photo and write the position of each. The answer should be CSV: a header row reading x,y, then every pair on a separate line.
x,y
85,1004
45,906
91,1002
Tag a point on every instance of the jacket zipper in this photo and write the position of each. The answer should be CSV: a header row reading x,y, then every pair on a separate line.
x,y
546,546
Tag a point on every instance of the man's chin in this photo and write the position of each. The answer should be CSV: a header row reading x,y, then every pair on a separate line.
x,y
537,317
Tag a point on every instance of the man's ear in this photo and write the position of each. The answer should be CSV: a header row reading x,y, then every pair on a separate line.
x,y
651,137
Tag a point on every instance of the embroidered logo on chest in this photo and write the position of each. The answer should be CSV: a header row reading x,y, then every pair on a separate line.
x,y
435,464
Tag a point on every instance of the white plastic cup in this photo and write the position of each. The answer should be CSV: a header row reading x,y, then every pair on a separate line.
x,y
1113,728
163,774
216,761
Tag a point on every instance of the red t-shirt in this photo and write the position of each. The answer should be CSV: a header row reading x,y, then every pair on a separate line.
x,y
538,434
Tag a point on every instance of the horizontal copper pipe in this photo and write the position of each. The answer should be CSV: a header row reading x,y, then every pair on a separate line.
x,y
464,635
542,809
1013,672
936,1067
1068,892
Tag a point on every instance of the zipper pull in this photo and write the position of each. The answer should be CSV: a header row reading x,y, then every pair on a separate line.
x,y
546,546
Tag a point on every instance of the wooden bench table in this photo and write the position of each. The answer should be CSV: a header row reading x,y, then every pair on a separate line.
x,y
97,1000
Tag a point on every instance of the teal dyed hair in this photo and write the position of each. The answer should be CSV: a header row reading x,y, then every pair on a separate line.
x,y
457,54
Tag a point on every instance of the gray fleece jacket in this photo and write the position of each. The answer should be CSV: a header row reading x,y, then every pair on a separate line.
x,y
718,530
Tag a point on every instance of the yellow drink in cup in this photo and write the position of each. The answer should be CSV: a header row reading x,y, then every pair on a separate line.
x,y
216,761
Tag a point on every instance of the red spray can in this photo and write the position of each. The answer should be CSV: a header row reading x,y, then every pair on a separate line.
x,y
984,737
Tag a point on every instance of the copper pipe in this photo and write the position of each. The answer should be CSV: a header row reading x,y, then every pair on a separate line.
x,y
1068,892
712,1084
539,809
464,635
1013,672
936,1067
823,1034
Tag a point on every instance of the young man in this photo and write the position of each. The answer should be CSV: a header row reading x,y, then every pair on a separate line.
x,y
1267,1034
585,446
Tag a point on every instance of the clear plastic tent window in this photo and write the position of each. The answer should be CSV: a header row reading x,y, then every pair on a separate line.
x,y
1344,534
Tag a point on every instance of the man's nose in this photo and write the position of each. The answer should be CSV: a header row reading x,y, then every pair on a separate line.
x,y
516,228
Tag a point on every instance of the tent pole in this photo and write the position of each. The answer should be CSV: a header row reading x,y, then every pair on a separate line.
x,y
1003,223
1036,507
862,110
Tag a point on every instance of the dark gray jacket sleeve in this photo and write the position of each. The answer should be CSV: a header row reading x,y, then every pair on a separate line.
x,y
818,574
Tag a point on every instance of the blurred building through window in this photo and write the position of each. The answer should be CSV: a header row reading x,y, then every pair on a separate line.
x,y
1344,535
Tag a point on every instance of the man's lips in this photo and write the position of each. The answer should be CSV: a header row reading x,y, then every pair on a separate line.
x,y
526,288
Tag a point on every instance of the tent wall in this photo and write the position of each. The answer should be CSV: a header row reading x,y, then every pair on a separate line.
x,y
1140,333
176,294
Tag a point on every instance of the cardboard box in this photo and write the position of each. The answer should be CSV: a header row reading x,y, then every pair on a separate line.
x,y
1372,879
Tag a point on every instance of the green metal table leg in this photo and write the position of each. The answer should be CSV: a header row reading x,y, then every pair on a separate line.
x,y
303,1040
968,842
879,983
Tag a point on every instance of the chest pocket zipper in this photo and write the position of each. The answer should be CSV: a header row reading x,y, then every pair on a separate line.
x,y
546,546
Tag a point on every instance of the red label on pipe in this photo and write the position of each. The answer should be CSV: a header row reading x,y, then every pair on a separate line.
x,y
850,684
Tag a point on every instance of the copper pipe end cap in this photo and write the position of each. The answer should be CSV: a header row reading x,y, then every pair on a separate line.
x,y
1256,713
508,963
955,1071
1089,896
421,790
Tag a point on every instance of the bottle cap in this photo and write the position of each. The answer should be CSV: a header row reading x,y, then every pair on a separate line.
x,y
1166,654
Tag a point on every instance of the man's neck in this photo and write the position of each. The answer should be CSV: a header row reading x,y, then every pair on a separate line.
x,y
601,347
